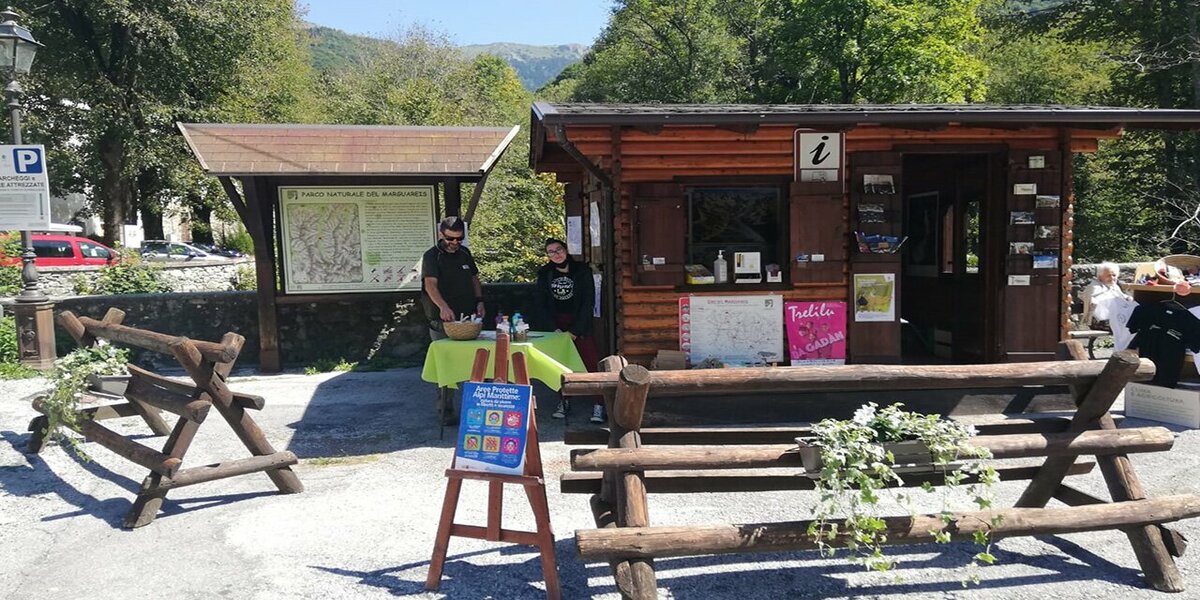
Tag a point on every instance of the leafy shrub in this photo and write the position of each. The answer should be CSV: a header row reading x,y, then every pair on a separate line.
x,y
239,240
10,244
9,351
325,365
130,275
245,278
10,280
69,379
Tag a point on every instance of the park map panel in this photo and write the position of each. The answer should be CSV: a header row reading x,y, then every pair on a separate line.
x,y
348,239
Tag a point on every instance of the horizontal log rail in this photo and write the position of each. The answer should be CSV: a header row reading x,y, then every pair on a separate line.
x,y
158,342
775,434
659,542
186,406
850,378
241,466
151,459
246,401
1021,445
770,480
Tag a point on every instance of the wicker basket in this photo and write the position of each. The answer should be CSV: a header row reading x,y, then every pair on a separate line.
x,y
462,331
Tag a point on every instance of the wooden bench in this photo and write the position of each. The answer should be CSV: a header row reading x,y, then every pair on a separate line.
x,y
745,459
207,364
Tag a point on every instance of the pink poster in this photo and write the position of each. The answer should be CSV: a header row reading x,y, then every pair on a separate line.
x,y
816,332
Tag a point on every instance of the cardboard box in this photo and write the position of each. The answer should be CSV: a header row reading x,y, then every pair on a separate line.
x,y
669,360
1175,406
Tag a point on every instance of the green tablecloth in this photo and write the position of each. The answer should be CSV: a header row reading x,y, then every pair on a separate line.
x,y
547,358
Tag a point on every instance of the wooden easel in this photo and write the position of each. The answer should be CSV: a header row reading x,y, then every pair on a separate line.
x,y
533,481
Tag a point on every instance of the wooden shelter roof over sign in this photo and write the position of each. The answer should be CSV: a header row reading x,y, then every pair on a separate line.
x,y
346,150
849,115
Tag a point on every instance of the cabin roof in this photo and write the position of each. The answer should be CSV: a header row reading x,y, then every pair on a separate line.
x,y
245,149
848,115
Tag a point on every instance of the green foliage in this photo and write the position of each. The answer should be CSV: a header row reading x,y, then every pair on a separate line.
x,y
245,278
138,68
10,280
665,51
68,380
239,240
17,371
130,275
9,350
11,244
326,365
856,468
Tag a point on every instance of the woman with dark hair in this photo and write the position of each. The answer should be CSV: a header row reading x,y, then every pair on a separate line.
x,y
565,302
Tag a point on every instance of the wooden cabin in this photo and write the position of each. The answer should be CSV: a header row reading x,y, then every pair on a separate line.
x,y
971,187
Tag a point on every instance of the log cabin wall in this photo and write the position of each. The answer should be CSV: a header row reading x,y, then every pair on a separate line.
x,y
654,166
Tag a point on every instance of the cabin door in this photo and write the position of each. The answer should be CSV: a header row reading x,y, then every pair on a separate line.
x,y
949,263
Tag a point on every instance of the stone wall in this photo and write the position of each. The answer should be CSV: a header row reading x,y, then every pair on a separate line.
x,y
59,282
307,332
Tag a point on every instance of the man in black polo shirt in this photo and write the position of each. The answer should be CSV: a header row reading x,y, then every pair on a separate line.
x,y
450,288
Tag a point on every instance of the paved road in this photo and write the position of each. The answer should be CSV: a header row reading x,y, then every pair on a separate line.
x,y
372,463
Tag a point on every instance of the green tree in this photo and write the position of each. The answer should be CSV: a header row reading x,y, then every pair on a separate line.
x,y
849,51
423,80
664,50
117,75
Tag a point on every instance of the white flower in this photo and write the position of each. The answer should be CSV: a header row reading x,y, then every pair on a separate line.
x,y
865,414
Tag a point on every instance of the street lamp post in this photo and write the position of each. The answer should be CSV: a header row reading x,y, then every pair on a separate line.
x,y
17,49
34,312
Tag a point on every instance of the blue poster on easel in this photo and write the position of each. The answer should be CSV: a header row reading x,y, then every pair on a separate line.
x,y
492,431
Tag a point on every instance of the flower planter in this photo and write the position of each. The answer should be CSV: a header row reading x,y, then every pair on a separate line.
x,y
108,384
909,453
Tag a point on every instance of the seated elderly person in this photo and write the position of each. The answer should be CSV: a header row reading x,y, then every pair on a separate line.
x,y
1099,293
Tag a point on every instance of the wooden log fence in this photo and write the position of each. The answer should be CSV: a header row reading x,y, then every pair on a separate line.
x,y
744,458
208,364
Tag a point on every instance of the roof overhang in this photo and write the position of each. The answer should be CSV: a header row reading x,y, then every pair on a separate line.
x,y
242,150
854,115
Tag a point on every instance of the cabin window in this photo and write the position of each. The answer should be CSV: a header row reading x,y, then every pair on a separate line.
x,y
736,219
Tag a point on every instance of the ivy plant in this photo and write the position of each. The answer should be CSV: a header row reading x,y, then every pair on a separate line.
x,y
68,379
857,468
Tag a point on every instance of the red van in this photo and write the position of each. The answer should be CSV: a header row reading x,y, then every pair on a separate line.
x,y
58,250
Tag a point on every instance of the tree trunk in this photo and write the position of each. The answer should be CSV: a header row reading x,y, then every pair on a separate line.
x,y
116,193
202,224
152,224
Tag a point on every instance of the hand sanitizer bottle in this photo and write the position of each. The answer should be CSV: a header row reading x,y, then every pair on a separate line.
x,y
720,268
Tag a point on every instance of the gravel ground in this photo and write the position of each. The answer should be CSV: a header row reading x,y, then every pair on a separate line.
x,y
372,462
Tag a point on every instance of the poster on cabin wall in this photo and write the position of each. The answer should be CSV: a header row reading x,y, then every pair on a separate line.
x,y
355,239
816,332
818,156
732,330
874,297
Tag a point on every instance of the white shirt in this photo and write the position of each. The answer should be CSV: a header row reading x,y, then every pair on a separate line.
x,y
1100,295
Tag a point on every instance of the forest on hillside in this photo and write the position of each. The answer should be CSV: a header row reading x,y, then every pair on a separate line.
x,y
115,76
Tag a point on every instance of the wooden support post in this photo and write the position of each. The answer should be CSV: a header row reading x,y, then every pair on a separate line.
x,y
628,406
608,490
1147,541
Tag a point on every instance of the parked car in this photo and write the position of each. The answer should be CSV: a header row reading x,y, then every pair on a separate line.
x,y
59,250
172,251
219,251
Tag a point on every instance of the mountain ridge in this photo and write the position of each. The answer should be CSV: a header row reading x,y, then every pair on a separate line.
x,y
335,50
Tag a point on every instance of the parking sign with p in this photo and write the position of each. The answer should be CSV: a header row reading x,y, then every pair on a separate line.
x,y
24,188
27,160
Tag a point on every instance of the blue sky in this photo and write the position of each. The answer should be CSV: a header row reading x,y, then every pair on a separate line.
x,y
540,22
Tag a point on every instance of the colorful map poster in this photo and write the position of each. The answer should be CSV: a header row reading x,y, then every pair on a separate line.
x,y
734,330
816,332
493,428
874,297
355,239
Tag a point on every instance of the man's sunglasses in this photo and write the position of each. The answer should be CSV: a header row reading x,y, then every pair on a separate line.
x,y
452,239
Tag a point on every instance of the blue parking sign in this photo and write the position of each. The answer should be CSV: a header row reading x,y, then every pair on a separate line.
x,y
27,160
